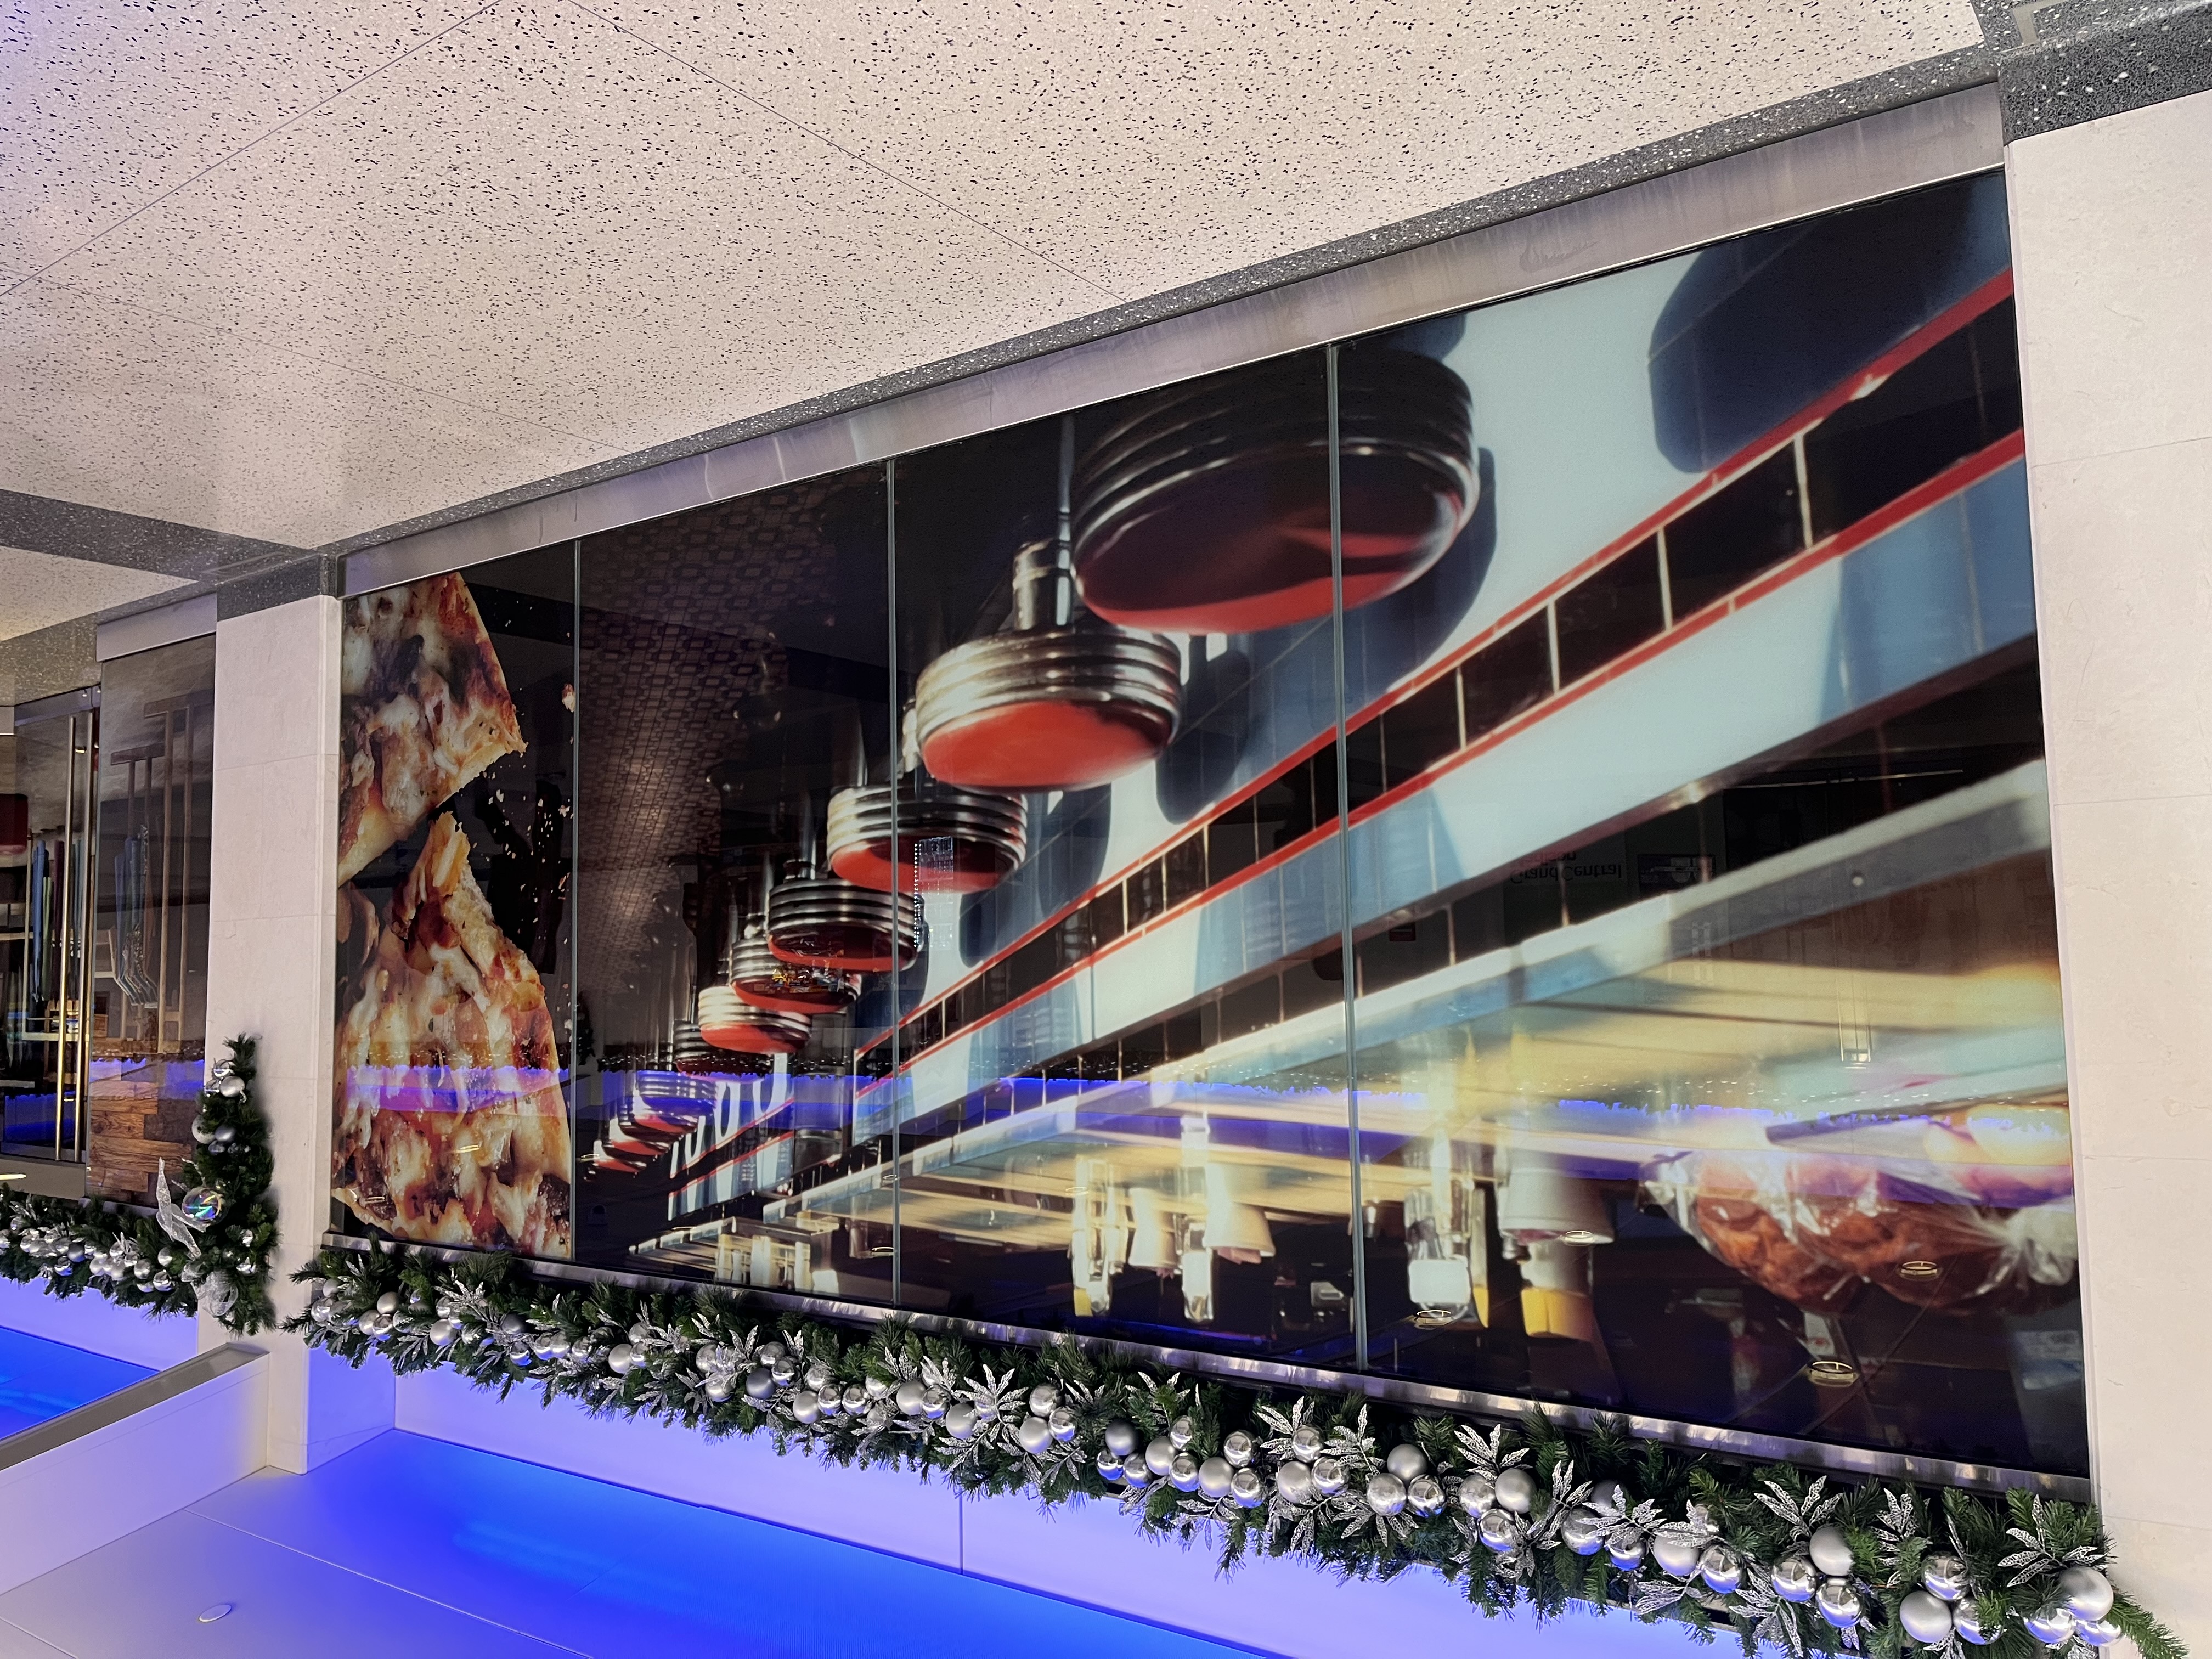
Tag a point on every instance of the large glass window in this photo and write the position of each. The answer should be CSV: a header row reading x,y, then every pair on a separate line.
x,y
1511,853
147,984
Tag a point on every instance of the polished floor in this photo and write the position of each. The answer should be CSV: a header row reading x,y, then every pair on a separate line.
x,y
418,1546
40,1380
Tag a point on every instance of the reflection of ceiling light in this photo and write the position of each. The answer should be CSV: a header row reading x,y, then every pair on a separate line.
x,y
13,1175
1919,1270
1832,1374
1583,1236
823,922
468,1146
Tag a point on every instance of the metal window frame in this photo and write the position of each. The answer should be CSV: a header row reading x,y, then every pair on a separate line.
x,y
1901,150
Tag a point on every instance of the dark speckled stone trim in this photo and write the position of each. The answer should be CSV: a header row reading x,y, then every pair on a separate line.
x,y
1930,77
2063,62
44,525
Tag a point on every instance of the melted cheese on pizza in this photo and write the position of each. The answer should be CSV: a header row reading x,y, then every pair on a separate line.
x,y
451,1127
424,710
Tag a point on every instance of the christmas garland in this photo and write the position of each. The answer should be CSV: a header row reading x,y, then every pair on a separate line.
x,y
1525,1515
209,1251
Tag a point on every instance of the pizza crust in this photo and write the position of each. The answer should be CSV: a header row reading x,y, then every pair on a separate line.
x,y
451,1127
423,710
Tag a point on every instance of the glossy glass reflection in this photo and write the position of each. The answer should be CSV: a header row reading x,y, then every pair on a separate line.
x,y
149,934
1073,1154
736,959
1707,1025
455,1015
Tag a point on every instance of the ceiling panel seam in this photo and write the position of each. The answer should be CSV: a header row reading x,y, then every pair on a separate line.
x,y
854,156
226,159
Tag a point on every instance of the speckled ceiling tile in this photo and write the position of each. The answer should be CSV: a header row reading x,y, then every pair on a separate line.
x,y
42,590
116,408
108,103
1152,145
539,214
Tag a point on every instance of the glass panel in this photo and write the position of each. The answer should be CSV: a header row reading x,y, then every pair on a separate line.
x,y
1707,1020
149,931
455,1013
49,822
739,942
1088,1144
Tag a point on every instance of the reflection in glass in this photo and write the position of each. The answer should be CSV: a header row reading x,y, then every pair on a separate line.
x,y
455,819
49,829
739,946
149,929
1707,1015
984,858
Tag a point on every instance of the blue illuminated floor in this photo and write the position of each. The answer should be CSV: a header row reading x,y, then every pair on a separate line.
x,y
40,1379
416,1546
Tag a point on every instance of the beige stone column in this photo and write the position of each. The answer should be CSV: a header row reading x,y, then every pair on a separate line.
x,y
2112,244
271,971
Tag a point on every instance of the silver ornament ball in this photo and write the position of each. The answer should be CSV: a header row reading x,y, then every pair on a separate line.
x,y
1135,1470
1499,1531
1294,1481
1793,1579
806,1405
1328,1476
1183,1473
1246,1489
1425,1495
1720,1569
1674,1554
1159,1455
1213,1477
1042,1399
1238,1449
855,1398
2053,1625
1625,1551
1583,1530
760,1384
907,1398
1181,1431
1386,1494
960,1420
2087,1593
1943,1574
718,1390
1033,1434
1476,1493
1831,1551
2097,1632
1966,1619
1108,1466
1926,1617
1516,1490
1061,1423
1405,1461
1305,1442
1607,1495
1838,1603
1121,1437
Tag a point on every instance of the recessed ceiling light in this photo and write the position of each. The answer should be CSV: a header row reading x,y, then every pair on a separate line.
x,y
220,1610
1919,1270
1832,1373
1581,1237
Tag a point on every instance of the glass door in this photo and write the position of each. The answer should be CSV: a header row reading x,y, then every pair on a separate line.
x,y
46,890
